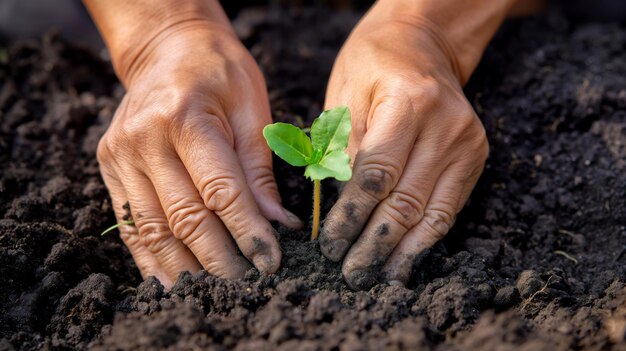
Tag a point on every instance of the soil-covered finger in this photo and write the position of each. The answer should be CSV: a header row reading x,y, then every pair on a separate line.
x,y
377,168
393,217
439,216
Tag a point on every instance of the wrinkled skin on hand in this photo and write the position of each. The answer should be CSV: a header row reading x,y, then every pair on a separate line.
x,y
185,149
417,145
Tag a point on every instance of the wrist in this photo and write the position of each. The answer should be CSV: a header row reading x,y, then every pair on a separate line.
x,y
133,30
461,28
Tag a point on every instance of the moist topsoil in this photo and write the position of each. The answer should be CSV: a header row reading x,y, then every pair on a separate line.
x,y
535,261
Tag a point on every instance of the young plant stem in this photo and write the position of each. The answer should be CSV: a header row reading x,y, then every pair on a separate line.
x,y
316,209
115,226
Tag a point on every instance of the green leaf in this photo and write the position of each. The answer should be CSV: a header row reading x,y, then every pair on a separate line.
x,y
335,164
289,143
331,130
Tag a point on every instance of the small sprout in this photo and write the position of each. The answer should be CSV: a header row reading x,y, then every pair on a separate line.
x,y
323,154
115,226
566,255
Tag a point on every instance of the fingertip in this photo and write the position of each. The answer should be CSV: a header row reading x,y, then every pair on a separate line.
x,y
264,264
239,269
334,250
396,276
293,221
235,267
265,254
332,245
401,265
360,279
273,210
163,279
362,269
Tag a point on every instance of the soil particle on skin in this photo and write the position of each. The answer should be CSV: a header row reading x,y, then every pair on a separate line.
x,y
383,229
349,209
552,97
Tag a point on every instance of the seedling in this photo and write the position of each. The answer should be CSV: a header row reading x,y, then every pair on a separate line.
x,y
323,154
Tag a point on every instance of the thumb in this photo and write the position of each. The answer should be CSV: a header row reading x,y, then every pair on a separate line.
x,y
263,185
256,161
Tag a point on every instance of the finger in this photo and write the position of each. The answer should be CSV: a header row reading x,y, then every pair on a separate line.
x,y
256,161
447,199
147,264
193,224
154,231
377,169
215,171
393,217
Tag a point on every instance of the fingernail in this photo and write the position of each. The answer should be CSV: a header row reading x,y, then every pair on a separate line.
x,y
360,279
334,250
295,221
263,263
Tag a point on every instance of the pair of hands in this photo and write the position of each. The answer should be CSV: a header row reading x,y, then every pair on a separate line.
x,y
185,149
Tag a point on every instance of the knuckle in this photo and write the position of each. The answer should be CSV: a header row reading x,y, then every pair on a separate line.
x,y
185,217
483,147
427,90
476,129
466,121
133,133
405,209
162,111
468,128
188,126
219,191
416,84
414,92
112,145
155,235
475,136
103,152
377,179
121,142
438,222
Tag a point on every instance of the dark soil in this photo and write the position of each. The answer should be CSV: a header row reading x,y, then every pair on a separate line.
x,y
536,261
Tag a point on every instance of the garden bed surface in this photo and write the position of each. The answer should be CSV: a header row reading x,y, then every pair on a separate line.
x,y
536,261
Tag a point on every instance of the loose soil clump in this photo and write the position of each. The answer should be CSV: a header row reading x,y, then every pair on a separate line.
x,y
536,260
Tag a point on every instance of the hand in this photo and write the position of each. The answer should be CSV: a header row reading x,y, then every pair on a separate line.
x,y
418,147
185,149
